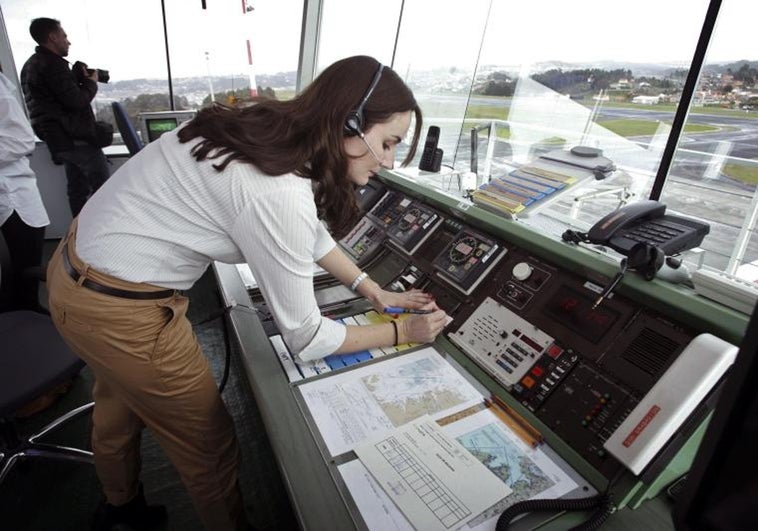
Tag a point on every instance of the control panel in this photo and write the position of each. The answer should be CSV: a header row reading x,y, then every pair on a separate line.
x,y
467,260
531,325
501,341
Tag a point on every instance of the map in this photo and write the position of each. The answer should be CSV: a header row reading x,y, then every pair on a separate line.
x,y
511,464
351,406
420,387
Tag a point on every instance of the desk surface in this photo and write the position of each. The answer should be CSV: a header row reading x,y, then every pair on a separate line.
x,y
315,487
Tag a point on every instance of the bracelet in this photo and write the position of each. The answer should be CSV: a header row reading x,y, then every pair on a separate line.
x,y
397,337
360,278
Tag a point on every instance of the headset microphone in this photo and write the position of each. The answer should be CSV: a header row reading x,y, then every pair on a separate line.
x,y
354,121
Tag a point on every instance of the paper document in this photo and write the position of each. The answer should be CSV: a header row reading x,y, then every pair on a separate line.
x,y
434,480
349,407
247,276
376,508
530,473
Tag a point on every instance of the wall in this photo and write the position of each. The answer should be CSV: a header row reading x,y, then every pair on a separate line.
x,y
51,180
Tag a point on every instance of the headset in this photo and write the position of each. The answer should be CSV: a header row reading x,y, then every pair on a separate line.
x,y
354,121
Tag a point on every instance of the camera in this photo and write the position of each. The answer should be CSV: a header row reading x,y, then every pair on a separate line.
x,y
102,75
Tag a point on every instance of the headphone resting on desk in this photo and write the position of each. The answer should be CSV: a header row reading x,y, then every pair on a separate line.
x,y
354,122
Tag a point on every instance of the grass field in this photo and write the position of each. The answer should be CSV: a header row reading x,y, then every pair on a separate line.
x,y
741,172
627,128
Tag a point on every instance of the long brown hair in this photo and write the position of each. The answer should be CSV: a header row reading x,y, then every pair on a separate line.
x,y
305,135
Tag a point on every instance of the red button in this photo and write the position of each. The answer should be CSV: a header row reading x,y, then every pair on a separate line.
x,y
554,351
538,371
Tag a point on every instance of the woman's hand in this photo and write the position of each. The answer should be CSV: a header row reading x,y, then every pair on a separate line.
x,y
414,299
422,328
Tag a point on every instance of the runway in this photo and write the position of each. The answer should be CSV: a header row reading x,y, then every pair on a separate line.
x,y
696,186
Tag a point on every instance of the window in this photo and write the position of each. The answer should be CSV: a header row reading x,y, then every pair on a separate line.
x,y
437,52
544,84
232,50
714,171
131,50
357,28
534,77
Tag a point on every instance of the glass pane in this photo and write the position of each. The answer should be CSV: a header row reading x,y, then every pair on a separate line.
x,y
131,50
341,35
608,80
437,51
231,47
715,169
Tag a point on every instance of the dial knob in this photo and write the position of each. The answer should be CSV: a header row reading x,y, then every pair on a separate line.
x,y
521,271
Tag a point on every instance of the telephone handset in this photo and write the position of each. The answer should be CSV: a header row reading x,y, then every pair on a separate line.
x,y
431,156
646,222
618,220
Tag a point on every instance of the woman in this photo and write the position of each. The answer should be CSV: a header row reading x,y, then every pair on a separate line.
x,y
248,184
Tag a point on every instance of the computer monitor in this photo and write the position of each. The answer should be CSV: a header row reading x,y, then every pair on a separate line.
x,y
153,124
157,126
721,489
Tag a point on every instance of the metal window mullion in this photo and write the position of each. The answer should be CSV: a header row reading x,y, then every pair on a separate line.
x,y
688,91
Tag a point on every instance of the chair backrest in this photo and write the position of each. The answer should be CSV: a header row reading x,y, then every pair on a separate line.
x,y
128,134
6,269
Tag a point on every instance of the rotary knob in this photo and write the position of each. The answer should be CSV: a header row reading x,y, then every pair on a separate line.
x,y
522,271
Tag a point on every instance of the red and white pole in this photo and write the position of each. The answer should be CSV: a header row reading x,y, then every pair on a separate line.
x,y
251,71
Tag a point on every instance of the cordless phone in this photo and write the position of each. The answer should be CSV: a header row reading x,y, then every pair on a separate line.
x,y
431,157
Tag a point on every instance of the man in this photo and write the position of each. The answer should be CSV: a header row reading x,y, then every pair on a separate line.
x,y
22,214
59,108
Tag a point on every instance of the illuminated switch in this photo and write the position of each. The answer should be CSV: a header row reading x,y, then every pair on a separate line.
x,y
554,351
538,371
528,382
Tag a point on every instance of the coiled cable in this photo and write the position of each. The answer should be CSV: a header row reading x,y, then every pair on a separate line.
x,y
602,503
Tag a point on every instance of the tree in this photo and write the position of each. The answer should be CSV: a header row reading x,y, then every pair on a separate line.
x,y
232,97
152,102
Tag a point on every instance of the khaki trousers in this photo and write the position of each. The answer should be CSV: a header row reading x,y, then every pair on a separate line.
x,y
149,371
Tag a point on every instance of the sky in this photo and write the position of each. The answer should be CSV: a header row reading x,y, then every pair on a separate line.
x,y
126,37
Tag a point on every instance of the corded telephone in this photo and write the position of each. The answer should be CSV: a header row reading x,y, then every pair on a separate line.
x,y
646,222
644,233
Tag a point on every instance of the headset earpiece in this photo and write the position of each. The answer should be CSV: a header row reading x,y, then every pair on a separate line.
x,y
646,259
354,124
354,120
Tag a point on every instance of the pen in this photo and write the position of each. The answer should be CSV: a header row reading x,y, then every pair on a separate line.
x,y
395,309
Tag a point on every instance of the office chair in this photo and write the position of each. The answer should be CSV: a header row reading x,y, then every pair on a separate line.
x,y
34,360
128,134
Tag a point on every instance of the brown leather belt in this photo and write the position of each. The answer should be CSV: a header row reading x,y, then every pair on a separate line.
x,y
107,290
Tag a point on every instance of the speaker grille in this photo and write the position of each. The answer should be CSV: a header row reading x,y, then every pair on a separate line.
x,y
650,351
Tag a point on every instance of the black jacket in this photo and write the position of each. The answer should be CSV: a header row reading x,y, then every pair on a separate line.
x,y
59,105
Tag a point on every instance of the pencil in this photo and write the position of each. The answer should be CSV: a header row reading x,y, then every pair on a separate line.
x,y
514,421
518,418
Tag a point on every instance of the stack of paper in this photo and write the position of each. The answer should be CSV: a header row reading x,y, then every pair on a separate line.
x,y
529,186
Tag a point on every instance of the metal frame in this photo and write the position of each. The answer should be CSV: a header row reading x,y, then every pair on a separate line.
x,y
686,100
20,449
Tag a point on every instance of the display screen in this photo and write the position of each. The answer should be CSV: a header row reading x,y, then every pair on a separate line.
x,y
574,310
389,208
157,126
413,225
467,258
